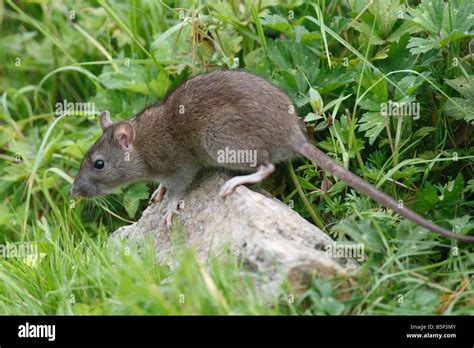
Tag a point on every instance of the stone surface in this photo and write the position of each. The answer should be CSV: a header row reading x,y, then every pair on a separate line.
x,y
271,239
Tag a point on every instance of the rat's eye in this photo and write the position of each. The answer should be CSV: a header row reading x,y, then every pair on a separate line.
x,y
99,164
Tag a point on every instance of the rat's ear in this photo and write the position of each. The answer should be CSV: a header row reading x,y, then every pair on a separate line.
x,y
124,134
105,121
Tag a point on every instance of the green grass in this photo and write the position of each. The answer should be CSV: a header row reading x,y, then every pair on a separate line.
x,y
338,60
89,277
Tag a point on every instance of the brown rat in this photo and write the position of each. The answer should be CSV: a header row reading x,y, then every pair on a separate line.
x,y
229,119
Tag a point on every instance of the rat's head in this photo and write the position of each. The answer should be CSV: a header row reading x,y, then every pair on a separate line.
x,y
111,162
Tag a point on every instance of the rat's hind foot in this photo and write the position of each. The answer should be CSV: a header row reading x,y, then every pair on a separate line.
x,y
159,194
262,172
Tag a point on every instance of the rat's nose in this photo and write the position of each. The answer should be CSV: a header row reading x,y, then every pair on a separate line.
x,y
75,190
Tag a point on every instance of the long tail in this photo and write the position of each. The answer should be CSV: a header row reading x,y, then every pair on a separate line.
x,y
328,164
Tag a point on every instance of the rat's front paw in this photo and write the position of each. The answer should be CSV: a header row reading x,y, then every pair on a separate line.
x,y
173,207
167,218
159,194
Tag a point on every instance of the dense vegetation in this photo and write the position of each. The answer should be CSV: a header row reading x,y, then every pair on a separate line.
x,y
344,63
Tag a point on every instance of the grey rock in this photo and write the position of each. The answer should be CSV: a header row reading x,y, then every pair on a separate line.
x,y
271,240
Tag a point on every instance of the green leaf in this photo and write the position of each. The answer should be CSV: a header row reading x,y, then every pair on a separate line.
x,y
287,80
409,84
428,15
470,186
445,22
377,25
462,224
256,61
276,22
160,85
367,32
119,103
132,78
398,59
132,198
327,80
386,13
459,20
462,108
463,85
406,27
372,123
310,117
419,45
332,306
361,231
279,54
316,101
451,193
426,199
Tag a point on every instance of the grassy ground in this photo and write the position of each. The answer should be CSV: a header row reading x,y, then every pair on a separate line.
x,y
343,63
